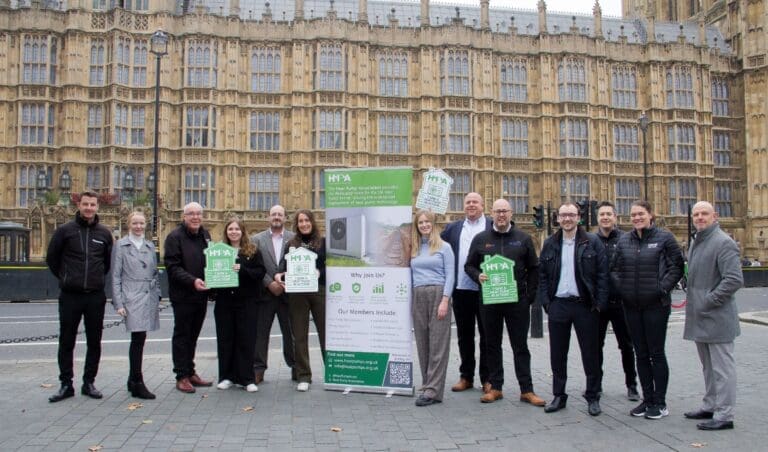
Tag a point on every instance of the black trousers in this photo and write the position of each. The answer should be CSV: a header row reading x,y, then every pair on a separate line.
x,y
188,320
466,309
517,316
235,338
267,307
648,329
72,307
561,316
615,315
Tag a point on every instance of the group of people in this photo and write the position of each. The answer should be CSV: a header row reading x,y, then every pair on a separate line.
x,y
82,252
582,280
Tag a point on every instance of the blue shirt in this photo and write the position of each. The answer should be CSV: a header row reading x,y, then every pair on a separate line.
x,y
434,270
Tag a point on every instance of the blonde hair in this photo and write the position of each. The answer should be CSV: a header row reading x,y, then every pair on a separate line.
x,y
434,240
133,214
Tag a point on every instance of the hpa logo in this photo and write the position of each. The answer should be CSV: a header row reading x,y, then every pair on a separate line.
x,y
337,177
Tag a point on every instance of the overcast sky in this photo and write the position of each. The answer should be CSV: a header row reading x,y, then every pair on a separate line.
x,y
609,7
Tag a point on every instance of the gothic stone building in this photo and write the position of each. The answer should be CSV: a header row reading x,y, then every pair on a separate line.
x,y
257,98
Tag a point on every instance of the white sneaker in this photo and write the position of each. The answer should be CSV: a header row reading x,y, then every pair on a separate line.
x,y
224,384
302,387
251,388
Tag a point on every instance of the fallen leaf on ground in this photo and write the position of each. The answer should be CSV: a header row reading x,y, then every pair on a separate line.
x,y
146,421
248,408
46,385
698,445
95,448
134,406
336,429
204,396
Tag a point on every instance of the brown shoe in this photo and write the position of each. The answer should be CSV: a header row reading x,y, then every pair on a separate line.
x,y
532,398
195,380
486,388
491,396
462,385
184,385
258,377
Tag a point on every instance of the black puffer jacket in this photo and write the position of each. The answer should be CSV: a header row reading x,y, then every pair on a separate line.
x,y
611,241
185,262
646,269
79,255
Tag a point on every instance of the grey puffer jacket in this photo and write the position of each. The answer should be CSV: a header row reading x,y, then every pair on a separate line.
x,y
646,269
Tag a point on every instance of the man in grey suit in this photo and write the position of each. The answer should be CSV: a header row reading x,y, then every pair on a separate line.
x,y
270,243
711,317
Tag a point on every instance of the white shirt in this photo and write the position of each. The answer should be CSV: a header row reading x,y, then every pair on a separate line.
x,y
567,287
277,244
468,232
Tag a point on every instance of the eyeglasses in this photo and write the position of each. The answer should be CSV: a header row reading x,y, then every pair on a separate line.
x,y
502,211
567,215
193,214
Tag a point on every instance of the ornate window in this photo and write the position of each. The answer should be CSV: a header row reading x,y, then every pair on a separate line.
x,y
138,119
263,190
121,125
265,131
513,76
515,190
202,60
200,187
93,178
318,189
681,143
456,133
393,134
574,138
626,145
393,74
462,184
330,68
200,130
266,63
679,87
682,193
627,192
37,124
574,188
514,138
721,144
572,80
96,131
39,60
454,73
140,62
720,92
98,61
27,185
724,199
136,5
123,61
330,126
623,87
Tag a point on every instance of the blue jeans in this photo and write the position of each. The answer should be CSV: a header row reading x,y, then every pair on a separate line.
x,y
648,329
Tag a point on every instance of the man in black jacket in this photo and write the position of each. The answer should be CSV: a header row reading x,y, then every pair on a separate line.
x,y
573,288
185,264
504,240
79,256
609,234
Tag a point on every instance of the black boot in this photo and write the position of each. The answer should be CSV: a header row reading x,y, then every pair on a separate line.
x,y
131,385
139,390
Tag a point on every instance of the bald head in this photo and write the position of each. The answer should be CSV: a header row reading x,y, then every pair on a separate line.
x,y
473,206
502,214
276,218
703,215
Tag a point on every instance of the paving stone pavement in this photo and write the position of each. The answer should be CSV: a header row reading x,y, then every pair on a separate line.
x,y
279,418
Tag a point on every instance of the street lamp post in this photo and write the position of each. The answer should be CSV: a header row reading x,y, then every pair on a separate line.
x,y
159,47
643,121
129,185
65,184
42,185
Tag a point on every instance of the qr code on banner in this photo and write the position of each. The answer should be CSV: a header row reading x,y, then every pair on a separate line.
x,y
399,374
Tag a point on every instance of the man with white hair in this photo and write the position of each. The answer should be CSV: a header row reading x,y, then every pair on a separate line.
x,y
711,317
185,264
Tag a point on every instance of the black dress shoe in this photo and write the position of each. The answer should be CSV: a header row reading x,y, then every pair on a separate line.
x,y
715,425
65,392
425,401
594,408
90,390
557,404
699,414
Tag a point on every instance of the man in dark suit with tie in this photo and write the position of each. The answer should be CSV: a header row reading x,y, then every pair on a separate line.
x,y
466,293
270,243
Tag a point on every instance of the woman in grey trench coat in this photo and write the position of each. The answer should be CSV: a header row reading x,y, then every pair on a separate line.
x,y
136,295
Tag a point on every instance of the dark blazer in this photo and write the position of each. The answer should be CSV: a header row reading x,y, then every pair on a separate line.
x,y
452,235
263,241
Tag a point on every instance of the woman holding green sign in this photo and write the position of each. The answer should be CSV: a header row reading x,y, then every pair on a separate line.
x,y
432,271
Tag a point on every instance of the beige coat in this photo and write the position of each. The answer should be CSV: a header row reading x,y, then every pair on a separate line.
x,y
136,284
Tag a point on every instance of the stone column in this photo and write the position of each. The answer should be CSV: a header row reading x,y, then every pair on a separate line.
x,y
424,13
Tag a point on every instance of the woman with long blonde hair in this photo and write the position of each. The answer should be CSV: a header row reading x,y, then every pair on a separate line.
x,y
432,272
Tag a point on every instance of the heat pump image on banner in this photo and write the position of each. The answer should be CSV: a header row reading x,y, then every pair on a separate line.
x,y
347,236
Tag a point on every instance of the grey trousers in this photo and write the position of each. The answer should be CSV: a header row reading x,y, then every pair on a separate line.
x,y
433,339
267,308
719,369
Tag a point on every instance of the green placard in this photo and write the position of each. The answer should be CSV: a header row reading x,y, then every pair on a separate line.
x,y
360,187
219,260
501,286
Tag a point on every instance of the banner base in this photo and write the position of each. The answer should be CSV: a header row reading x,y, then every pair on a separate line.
x,y
369,389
